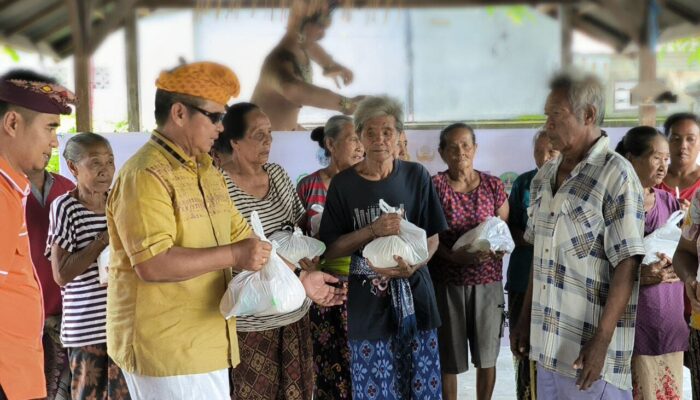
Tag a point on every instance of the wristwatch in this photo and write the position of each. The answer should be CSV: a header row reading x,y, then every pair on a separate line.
x,y
345,104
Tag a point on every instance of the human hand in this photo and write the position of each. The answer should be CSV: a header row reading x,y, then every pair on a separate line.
x,y
310,265
685,204
520,337
402,270
692,291
338,72
386,225
319,288
251,254
590,362
658,272
463,257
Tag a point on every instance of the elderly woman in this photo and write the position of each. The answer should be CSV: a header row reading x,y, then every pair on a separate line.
x,y
521,260
276,351
329,329
77,236
683,180
392,314
285,83
468,286
661,333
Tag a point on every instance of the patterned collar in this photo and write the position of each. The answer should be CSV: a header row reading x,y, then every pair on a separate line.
x,y
598,152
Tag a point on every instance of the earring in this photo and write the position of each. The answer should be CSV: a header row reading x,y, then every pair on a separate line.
x,y
301,38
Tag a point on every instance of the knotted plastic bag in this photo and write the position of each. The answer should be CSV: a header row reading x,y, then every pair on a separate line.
x,y
663,240
272,290
293,245
411,244
315,220
491,235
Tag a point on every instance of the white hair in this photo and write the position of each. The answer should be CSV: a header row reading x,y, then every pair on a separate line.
x,y
582,90
378,106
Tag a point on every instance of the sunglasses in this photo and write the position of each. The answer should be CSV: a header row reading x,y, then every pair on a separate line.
x,y
214,117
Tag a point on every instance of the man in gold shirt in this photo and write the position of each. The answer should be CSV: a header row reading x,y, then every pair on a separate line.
x,y
175,235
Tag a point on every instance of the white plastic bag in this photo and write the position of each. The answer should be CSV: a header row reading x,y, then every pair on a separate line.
x,y
103,266
315,220
492,234
411,244
663,240
293,245
272,290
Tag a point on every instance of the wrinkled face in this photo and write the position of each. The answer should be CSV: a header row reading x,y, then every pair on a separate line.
x,y
564,130
255,145
379,136
652,166
200,130
684,142
544,151
35,138
459,150
95,169
402,147
346,149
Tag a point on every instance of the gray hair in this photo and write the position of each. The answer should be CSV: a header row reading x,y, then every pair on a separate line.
x,y
335,125
378,106
80,143
582,90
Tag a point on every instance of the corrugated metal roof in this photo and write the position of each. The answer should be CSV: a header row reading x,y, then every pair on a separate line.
x,y
45,25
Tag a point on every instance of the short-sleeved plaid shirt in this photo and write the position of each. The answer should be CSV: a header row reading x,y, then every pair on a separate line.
x,y
580,234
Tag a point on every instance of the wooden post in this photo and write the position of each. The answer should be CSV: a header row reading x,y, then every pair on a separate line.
x,y
80,12
132,71
647,69
647,74
566,23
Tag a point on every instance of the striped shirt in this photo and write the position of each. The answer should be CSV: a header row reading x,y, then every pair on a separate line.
x,y
73,227
580,234
279,206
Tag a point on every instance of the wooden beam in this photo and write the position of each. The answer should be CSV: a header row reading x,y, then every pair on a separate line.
x,y
34,18
7,4
131,36
80,13
566,16
52,30
111,23
226,4
681,11
615,39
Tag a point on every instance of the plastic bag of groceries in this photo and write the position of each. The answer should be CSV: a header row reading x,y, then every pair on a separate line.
x,y
491,235
411,244
293,245
315,220
103,266
272,290
663,240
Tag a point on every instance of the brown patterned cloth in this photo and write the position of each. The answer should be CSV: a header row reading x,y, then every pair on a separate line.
x,y
48,98
56,366
95,375
276,364
525,369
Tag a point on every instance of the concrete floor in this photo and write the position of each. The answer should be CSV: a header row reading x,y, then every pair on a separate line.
x,y
505,379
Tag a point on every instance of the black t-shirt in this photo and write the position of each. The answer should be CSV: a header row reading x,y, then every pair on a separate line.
x,y
352,203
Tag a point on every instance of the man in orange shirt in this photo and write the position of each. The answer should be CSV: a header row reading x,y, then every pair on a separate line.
x,y
29,115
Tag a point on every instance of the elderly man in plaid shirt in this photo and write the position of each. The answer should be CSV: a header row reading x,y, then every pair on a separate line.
x,y
587,225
